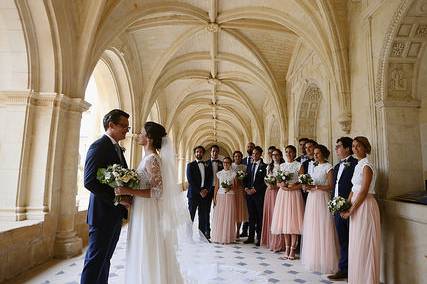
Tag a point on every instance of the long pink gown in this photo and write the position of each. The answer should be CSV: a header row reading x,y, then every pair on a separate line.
x,y
224,220
269,240
288,211
365,233
319,245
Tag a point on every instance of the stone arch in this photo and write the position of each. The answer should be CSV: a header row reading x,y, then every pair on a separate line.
x,y
308,112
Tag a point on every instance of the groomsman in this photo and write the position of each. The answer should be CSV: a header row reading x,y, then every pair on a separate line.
x,y
307,166
214,166
303,157
343,172
255,189
248,162
199,184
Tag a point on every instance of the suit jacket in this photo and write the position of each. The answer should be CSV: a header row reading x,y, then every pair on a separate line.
x,y
258,183
210,169
344,184
194,179
305,165
102,212
245,161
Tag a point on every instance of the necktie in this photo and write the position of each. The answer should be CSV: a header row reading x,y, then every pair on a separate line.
x,y
119,152
253,173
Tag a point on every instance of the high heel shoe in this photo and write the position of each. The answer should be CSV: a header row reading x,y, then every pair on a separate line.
x,y
286,253
291,255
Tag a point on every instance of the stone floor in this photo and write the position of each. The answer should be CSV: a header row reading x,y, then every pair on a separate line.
x,y
261,260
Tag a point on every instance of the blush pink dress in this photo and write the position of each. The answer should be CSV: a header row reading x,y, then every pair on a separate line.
x,y
365,232
224,219
319,251
288,214
269,240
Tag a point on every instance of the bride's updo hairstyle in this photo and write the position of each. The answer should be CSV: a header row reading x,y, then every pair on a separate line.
x,y
156,132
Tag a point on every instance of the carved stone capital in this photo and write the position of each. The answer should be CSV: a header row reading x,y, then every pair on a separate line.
x,y
345,121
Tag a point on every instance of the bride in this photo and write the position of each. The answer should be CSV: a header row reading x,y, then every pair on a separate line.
x,y
150,250
162,247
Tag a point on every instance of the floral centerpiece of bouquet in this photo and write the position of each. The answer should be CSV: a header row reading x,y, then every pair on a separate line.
x,y
116,175
283,176
305,179
241,174
226,185
270,179
338,204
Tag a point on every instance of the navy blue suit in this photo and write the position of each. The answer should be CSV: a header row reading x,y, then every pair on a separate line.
x,y
103,217
195,200
342,225
305,167
256,201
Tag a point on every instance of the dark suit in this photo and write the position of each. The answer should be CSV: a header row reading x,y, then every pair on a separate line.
x,y
256,201
195,200
247,161
342,225
103,217
211,191
305,167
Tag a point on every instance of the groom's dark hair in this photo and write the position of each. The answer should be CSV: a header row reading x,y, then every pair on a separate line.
x,y
114,117
346,142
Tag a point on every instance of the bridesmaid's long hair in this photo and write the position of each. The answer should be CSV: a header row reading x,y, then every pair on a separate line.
x,y
271,165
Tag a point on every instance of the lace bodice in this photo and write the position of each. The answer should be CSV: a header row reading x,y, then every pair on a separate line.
x,y
292,167
276,168
320,173
241,167
225,176
150,173
357,179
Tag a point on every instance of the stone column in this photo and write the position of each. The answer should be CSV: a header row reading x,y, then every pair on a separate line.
x,y
67,243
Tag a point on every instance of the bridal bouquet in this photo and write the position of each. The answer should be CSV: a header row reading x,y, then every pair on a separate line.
x,y
338,204
226,184
270,179
283,176
116,176
241,175
305,179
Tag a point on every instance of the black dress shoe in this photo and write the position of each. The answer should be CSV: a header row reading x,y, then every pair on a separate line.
x,y
249,241
257,243
338,276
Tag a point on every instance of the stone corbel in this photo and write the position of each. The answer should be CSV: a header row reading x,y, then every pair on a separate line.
x,y
345,122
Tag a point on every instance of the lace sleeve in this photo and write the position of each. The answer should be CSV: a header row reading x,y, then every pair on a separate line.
x,y
153,168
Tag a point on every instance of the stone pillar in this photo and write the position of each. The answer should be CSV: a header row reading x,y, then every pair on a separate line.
x,y
67,243
14,108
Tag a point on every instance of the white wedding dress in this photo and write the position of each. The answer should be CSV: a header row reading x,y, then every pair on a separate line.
x,y
162,246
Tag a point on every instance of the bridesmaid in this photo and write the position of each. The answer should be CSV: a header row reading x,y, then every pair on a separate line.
x,y
319,247
224,220
273,242
288,211
241,207
365,230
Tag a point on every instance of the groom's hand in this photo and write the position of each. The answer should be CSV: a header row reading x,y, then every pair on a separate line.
x,y
204,192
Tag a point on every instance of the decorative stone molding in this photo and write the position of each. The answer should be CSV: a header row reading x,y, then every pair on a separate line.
x,y
214,81
15,97
421,31
212,27
398,48
345,121
308,111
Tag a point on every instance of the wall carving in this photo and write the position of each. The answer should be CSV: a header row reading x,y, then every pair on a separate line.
x,y
308,112
398,48
400,80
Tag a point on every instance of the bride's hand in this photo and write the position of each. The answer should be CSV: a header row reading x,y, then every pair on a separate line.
x,y
120,190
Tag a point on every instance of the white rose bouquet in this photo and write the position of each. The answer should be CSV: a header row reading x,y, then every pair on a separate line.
x,y
338,204
283,176
271,180
241,174
116,175
305,179
226,184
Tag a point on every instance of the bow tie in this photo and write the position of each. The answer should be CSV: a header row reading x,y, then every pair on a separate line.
x,y
343,161
215,161
200,162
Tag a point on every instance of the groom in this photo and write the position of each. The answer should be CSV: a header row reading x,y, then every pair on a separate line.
x,y
343,172
199,179
103,217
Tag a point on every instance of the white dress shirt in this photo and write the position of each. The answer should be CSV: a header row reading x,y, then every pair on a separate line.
x,y
202,172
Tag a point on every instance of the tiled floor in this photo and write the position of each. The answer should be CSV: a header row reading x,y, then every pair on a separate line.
x,y
266,263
